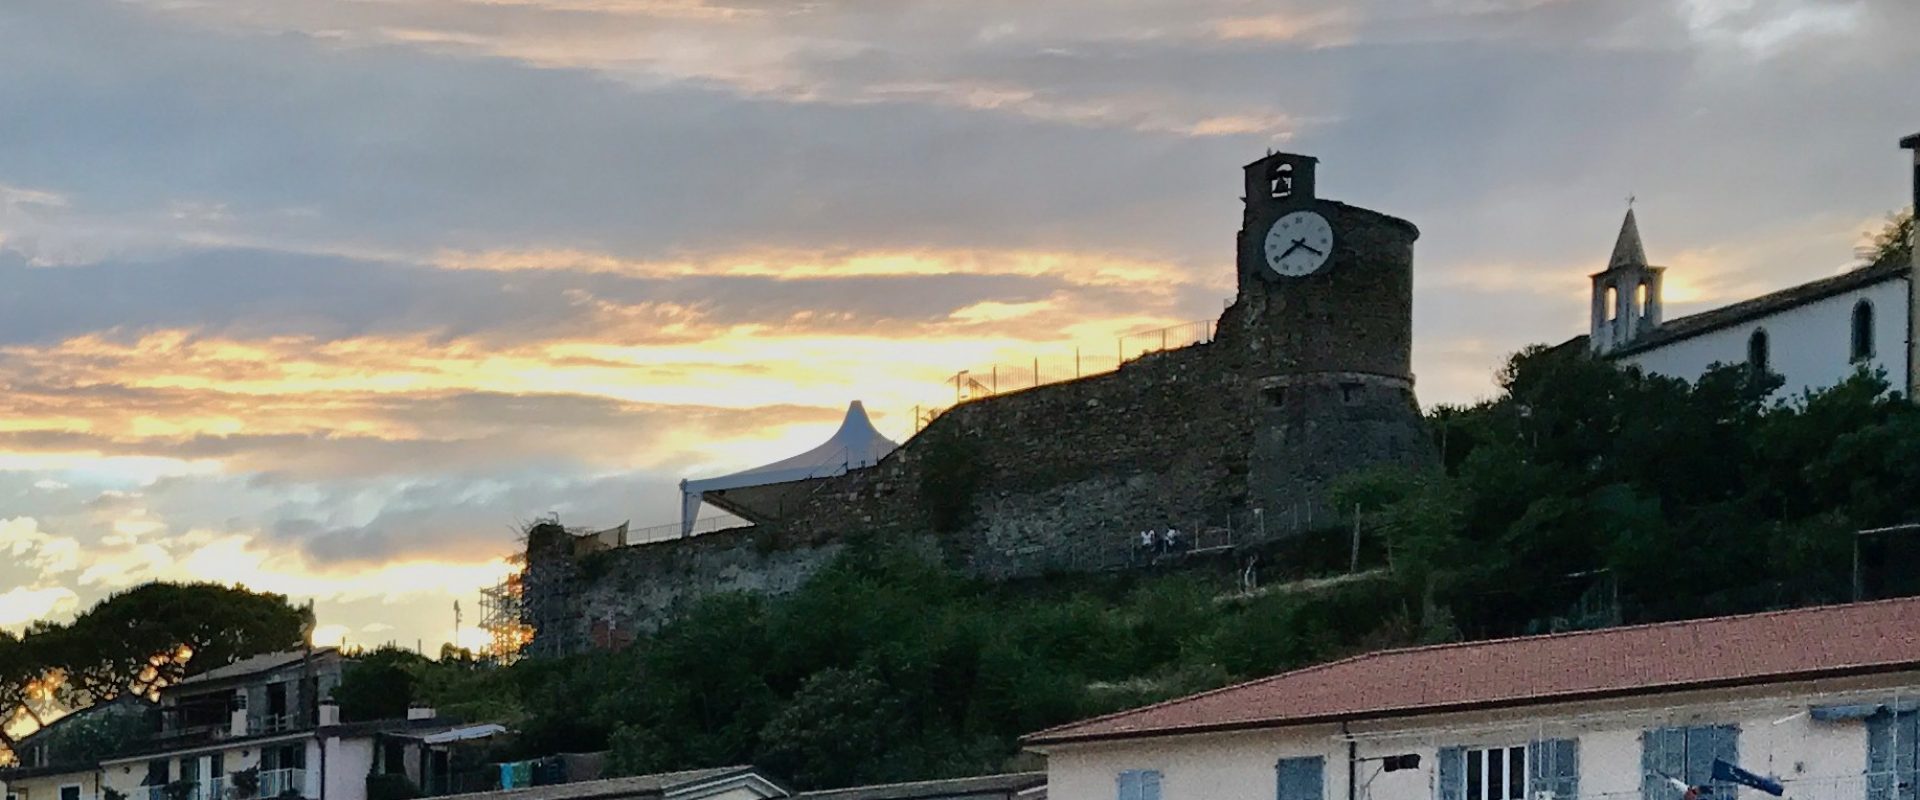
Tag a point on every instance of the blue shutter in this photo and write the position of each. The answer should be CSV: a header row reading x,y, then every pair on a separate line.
x,y
1139,784
1554,766
1704,745
1893,753
1452,776
1663,752
1300,778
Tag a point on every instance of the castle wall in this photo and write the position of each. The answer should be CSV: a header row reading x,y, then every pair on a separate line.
x,y
1307,380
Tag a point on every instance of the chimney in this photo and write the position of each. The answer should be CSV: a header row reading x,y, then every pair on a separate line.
x,y
419,711
237,719
329,712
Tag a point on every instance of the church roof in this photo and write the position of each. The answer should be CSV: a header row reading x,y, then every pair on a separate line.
x,y
1627,249
1763,306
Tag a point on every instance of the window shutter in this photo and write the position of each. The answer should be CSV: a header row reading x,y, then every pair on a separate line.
x,y
1880,782
1554,765
1893,756
1300,778
1663,753
1452,779
1704,745
1139,784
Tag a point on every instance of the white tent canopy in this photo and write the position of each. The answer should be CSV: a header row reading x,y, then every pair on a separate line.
x,y
855,445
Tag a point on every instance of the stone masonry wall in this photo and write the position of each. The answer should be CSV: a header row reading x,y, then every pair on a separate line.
x,y
1067,474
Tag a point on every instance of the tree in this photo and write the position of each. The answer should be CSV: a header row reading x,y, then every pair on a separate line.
x,y
135,641
378,685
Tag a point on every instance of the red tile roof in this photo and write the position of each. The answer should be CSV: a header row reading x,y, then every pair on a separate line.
x,y
1856,638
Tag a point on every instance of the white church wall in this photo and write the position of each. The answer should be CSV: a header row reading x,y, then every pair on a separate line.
x,y
1809,344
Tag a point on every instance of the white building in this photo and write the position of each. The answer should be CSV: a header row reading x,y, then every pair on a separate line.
x,y
1813,335
1822,700
254,729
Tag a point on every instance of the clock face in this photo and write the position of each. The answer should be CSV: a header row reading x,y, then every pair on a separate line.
x,y
1299,243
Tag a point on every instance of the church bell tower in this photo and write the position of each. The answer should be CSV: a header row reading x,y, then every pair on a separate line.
x,y
1323,327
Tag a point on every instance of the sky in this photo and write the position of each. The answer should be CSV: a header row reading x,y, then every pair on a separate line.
x,y
331,297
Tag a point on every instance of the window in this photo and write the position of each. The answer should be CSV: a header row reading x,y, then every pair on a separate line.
x,y
1893,755
1496,773
17,795
70,792
1300,778
1613,304
1757,351
157,774
1139,784
1862,331
1686,755
1643,300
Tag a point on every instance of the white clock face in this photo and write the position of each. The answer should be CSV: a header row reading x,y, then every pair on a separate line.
x,y
1299,243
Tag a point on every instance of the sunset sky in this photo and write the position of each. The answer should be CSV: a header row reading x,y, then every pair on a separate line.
x,y
329,297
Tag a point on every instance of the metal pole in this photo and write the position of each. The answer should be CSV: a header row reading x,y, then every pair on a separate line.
x,y
1036,370
1353,564
1076,361
996,379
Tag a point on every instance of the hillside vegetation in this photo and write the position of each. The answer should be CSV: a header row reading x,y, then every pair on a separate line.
x,y
1578,487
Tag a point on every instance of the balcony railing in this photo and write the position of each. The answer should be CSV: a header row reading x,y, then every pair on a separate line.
x,y
215,789
277,782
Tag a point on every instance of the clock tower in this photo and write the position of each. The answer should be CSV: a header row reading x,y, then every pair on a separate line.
x,y
1322,328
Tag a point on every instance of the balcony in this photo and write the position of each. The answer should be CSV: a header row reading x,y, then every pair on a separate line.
x,y
215,789
277,782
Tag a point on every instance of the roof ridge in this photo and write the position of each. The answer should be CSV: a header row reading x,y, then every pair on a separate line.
x,y
1379,654
929,781
1173,701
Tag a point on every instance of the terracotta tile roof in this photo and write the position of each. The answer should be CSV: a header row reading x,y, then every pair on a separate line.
x,y
984,786
637,786
1856,638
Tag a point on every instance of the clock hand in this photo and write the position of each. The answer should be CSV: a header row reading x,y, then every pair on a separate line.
x,y
1297,244
1303,245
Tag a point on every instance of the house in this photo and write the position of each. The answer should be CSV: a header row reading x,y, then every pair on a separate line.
x,y
720,783
1813,335
257,728
59,761
1011,786
1822,700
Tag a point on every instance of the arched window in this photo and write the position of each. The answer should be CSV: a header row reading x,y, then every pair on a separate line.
x,y
1862,331
1613,304
1643,300
1757,351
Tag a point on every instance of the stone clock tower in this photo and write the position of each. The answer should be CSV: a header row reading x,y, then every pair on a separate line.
x,y
1323,331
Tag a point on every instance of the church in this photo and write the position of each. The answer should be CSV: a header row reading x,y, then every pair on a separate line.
x,y
1813,335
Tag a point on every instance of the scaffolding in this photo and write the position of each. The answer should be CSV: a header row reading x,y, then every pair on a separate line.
x,y
502,615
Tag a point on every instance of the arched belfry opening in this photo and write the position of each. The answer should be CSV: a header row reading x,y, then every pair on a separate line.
x,y
1626,295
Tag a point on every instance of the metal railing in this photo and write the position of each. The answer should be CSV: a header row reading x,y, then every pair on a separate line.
x,y
671,530
1124,549
277,782
1000,378
214,789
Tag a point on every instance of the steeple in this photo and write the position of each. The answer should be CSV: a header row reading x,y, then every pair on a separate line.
x,y
1626,295
1627,250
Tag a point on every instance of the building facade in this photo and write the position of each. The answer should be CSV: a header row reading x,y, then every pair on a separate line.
x,y
1813,335
255,729
1819,704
